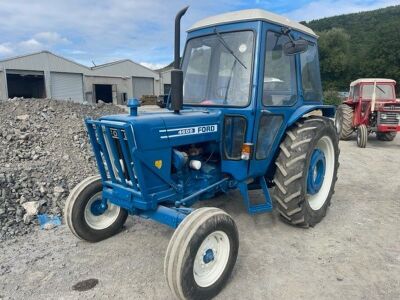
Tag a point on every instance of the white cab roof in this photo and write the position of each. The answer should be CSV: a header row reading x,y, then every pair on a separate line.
x,y
371,80
251,15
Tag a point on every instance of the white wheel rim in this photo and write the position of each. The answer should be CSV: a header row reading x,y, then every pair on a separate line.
x,y
206,274
103,221
317,200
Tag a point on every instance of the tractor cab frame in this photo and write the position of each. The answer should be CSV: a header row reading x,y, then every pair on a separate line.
x,y
276,93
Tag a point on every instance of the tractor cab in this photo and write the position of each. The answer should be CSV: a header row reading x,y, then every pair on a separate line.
x,y
381,91
260,71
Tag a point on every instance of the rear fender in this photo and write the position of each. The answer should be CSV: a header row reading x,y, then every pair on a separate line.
x,y
327,111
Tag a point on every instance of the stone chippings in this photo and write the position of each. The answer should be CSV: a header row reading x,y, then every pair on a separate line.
x,y
44,153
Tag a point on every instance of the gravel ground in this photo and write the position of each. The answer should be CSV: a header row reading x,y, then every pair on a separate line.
x,y
353,254
43,154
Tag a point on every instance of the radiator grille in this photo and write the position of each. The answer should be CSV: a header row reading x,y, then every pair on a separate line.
x,y
391,118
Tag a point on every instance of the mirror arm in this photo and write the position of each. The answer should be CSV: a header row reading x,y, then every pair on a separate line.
x,y
286,31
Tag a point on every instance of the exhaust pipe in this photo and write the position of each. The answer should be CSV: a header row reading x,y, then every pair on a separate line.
x,y
176,73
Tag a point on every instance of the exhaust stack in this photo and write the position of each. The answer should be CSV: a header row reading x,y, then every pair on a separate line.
x,y
176,73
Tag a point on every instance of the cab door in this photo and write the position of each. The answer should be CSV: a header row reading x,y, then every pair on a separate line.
x,y
277,97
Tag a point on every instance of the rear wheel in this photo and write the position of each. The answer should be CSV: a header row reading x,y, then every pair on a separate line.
x,y
386,136
344,121
306,171
201,254
362,136
87,217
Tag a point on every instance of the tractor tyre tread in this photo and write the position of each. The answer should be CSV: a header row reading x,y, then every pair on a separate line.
x,y
347,121
290,177
362,136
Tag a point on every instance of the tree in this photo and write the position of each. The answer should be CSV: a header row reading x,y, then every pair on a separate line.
x,y
367,45
334,54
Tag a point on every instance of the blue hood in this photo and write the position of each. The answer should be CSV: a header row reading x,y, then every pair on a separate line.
x,y
168,129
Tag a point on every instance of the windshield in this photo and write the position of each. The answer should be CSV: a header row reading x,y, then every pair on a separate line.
x,y
217,69
383,91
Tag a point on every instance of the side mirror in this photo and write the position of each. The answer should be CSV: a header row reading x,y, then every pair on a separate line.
x,y
295,47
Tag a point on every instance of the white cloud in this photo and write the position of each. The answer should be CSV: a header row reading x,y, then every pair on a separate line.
x,y
40,41
76,52
30,45
48,37
153,66
5,49
327,8
105,29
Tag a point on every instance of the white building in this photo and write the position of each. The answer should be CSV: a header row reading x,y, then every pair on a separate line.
x,y
165,79
46,75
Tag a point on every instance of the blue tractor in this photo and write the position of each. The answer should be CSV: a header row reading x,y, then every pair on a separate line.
x,y
245,112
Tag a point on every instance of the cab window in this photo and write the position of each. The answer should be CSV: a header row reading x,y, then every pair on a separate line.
x,y
310,75
351,93
382,92
217,69
280,87
356,93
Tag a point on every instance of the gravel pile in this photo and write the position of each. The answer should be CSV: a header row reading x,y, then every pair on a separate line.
x,y
44,153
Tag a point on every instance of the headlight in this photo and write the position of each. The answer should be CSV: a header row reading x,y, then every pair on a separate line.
x,y
398,117
383,116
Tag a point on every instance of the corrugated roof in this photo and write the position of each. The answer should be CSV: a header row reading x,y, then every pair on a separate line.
x,y
46,52
87,70
119,62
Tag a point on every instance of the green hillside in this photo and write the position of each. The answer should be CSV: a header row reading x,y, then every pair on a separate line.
x,y
365,44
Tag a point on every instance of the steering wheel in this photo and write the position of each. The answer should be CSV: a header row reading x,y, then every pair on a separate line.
x,y
208,102
220,93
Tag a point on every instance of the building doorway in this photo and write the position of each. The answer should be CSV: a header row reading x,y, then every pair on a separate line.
x,y
103,92
26,84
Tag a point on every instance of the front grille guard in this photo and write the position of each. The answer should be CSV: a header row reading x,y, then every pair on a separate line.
x,y
113,144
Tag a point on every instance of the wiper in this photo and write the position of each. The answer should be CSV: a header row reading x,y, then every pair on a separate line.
x,y
380,89
229,82
221,39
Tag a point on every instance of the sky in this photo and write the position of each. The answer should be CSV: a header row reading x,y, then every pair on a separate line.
x,y
93,32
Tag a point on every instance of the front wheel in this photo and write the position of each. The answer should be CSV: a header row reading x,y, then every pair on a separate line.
x,y
306,171
362,136
201,254
87,217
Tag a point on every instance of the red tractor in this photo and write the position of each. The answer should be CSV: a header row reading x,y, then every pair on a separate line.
x,y
370,107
